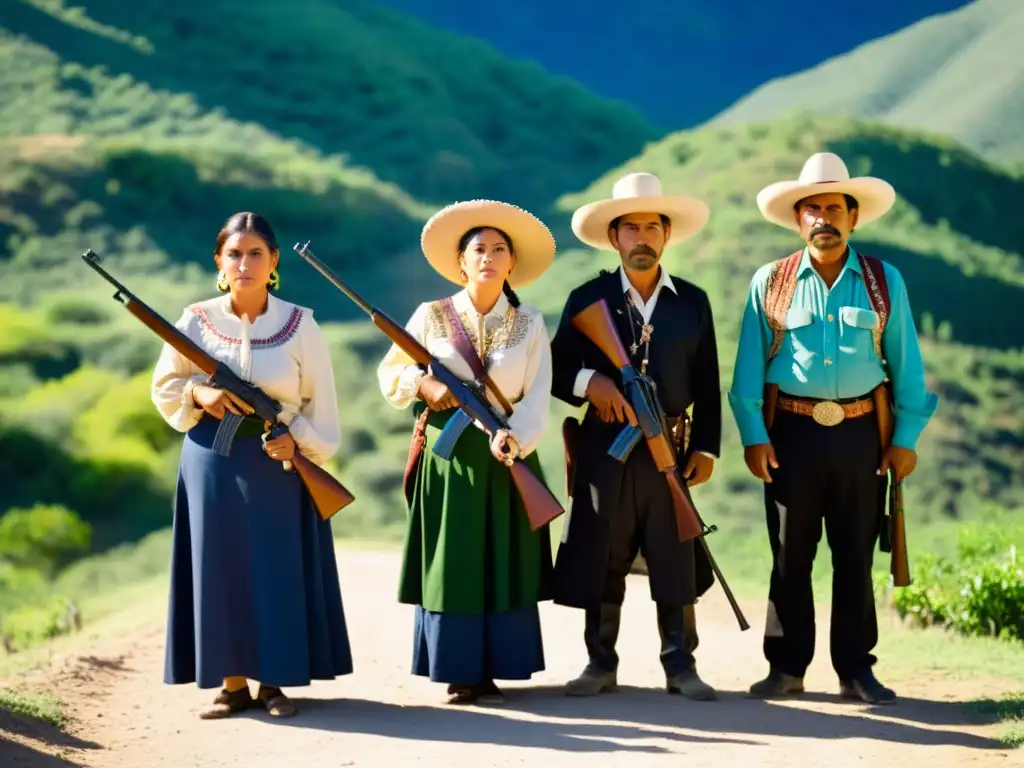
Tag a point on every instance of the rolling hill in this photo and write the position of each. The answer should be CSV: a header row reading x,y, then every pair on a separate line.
x,y
959,74
441,116
679,63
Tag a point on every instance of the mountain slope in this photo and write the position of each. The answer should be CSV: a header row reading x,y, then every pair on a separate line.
x,y
439,115
680,63
959,255
960,74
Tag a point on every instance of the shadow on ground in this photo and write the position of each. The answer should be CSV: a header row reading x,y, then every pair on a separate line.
x,y
617,722
23,754
478,725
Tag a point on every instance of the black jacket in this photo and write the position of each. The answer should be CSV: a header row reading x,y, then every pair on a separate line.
x,y
683,358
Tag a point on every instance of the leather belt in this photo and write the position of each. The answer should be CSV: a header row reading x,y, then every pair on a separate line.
x,y
828,413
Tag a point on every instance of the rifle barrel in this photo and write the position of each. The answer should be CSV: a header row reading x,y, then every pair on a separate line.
x,y
307,253
91,258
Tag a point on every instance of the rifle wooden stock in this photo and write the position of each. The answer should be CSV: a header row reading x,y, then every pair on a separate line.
x,y
328,495
595,322
899,565
540,504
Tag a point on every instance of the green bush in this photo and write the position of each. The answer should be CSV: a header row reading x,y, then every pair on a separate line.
x,y
32,624
43,538
978,591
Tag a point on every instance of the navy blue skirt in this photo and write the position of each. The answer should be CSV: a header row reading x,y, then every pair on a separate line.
x,y
254,583
472,648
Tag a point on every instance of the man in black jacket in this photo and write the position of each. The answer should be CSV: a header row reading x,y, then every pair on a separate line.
x,y
616,509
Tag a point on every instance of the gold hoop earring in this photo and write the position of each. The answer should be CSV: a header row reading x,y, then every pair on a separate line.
x,y
275,280
222,282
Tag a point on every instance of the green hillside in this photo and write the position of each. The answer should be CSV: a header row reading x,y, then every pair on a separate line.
x,y
959,74
441,116
137,129
960,256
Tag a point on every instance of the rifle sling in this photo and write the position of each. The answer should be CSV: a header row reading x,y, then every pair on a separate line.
x,y
465,348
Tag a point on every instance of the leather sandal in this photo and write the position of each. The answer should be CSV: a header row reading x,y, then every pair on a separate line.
x,y
227,703
275,702
462,694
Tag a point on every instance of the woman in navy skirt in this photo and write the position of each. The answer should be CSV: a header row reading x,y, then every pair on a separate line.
x,y
254,583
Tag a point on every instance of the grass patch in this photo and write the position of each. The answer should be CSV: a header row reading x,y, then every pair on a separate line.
x,y
42,707
1009,710
945,654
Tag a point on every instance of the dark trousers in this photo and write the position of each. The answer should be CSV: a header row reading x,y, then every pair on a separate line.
x,y
824,473
643,521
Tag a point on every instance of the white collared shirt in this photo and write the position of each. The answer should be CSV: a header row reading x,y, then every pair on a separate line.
x,y
646,311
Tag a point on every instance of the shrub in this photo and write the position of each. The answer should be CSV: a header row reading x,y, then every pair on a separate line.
x,y
979,591
43,538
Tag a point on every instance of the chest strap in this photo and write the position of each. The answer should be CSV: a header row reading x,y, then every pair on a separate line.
x,y
781,286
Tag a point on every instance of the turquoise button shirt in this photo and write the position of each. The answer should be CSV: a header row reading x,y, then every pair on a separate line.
x,y
828,351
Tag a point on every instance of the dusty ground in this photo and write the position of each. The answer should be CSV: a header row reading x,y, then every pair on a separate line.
x,y
122,715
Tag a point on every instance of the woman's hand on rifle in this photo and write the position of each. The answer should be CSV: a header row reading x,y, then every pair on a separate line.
x,y
505,447
217,402
281,448
435,394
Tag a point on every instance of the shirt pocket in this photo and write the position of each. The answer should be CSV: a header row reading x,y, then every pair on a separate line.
x,y
799,335
798,317
857,329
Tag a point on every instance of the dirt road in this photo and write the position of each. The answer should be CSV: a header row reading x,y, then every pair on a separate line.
x,y
122,715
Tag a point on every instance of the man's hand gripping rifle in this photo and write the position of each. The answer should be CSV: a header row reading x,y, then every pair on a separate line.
x,y
595,323
540,504
328,495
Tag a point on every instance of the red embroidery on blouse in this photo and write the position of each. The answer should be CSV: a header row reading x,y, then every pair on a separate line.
x,y
279,338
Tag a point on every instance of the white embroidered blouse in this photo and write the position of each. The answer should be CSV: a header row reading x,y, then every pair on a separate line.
x,y
513,345
283,352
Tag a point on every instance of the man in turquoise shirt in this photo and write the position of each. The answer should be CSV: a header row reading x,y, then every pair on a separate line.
x,y
821,330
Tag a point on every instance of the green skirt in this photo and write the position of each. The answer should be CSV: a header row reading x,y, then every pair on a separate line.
x,y
468,546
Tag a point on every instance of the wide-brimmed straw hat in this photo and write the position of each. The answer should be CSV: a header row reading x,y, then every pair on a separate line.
x,y
639,193
825,172
532,241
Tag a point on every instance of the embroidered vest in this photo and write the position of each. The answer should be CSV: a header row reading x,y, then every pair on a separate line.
x,y
782,285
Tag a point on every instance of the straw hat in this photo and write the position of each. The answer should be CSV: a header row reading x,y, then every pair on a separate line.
x,y
532,241
825,172
639,193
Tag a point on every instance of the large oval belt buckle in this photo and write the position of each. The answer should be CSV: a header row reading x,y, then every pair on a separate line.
x,y
827,413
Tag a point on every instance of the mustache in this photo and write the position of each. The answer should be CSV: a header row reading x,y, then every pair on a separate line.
x,y
646,249
825,229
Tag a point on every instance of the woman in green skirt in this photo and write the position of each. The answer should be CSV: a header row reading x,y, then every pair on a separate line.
x,y
472,566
